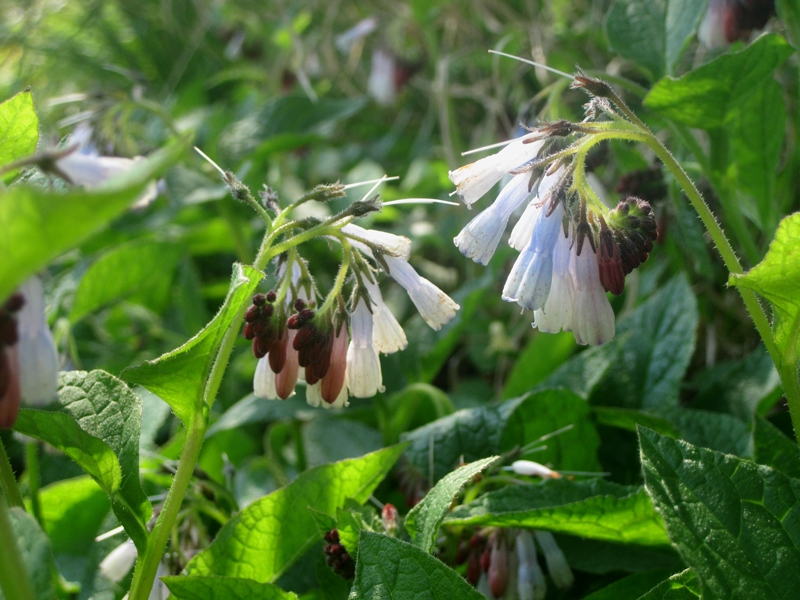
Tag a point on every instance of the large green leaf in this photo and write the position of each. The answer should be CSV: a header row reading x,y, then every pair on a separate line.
x,y
73,511
628,418
39,225
595,509
757,132
777,278
681,586
631,586
252,409
543,355
737,524
771,447
229,588
656,352
34,549
585,370
19,130
96,422
422,523
179,377
547,411
472,434
264,539
653,33
135,268
388,569
706,96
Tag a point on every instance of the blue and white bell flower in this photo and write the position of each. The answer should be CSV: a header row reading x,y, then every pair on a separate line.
x,y
529,282
479,239
387,334
38,357
364,378
436,307
474,180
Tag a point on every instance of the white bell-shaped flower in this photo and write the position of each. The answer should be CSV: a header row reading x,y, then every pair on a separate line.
x,y
556,314
38,357
557,564
396,244
528,283
119,562
479,239
531,584
593,317
364,378
264,380
91,170
436,307
387,334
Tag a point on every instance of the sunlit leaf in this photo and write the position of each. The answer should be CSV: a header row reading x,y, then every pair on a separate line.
x,y
19,130
264,539
737,524
230,588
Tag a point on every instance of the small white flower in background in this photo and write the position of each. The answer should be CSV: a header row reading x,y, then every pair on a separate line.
x,y
557,564
533,469
382,84
38,357
119,562
345,41
531,584
85,167
364,378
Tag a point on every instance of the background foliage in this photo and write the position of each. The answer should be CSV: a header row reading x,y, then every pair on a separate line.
x,y
267,91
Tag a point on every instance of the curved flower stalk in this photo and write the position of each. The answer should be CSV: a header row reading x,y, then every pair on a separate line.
x,y
573,248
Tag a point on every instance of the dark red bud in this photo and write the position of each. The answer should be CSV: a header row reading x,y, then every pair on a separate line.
x,y
486,559
249,332
271,296
299,304
268,310
306,314
260,299
498,570
260,349
390,517
462,553
15,303
277,353
253,313
474,568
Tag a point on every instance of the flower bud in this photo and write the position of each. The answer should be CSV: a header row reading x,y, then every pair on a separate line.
x,y
498,568
38,357
119,562
390,518
556,562
253,313
533,469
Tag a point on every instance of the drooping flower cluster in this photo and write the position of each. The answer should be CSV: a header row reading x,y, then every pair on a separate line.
x,y
573,249
503,563
28,356
333,348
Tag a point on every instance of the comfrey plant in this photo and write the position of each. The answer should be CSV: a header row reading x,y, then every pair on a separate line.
x,y
573,248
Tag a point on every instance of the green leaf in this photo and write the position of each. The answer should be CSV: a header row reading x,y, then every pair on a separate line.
x,y
415,405
595,509
73,511
737,524
135,268
547,411
789,14
681,586
653,33
40,225
179,377
543,355
601,558
34,549
585,370
423,522
230,588
390,569
705,97
252,409
264,539
757,132
717,431
660,342
631,586
472,434
329,439
777,278
626,418
19,130
96,423
771,447
349,524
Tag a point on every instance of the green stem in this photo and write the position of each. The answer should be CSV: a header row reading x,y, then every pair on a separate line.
x,y
32,449
147,565
786,369
8,483
14,579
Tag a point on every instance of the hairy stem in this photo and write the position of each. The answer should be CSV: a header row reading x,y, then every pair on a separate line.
x,y
14,579
8,483
32,449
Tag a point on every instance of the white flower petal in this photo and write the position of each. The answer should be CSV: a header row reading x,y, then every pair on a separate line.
x,y
436,307
264,380
387,334
119,562
396,244
557,563
593,318
38,357
556,314
364,378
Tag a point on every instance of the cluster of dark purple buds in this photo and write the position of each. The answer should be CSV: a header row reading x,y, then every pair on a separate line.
x,y
263,330
337,557
486,555
647,184
9,363
626,240
313,342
